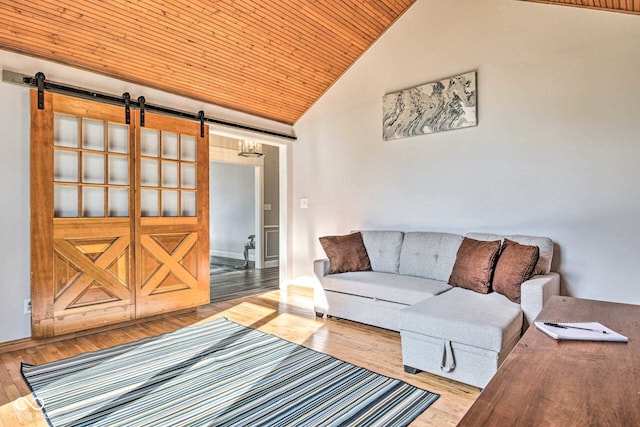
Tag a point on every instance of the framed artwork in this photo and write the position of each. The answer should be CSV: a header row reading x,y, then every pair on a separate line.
x,y
432,107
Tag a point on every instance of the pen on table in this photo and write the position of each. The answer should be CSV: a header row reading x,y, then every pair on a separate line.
x,y
557,325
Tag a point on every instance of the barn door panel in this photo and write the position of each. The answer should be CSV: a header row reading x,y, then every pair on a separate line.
x,y
82,210
172,247
119,215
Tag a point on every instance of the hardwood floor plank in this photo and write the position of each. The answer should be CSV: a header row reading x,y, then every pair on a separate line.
x,y
86,343
289,315
5,381
12,365
236,282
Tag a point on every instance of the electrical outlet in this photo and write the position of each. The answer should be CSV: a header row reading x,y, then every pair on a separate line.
x,y
27,306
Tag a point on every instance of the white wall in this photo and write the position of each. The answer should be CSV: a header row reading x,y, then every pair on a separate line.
x,y
14,164
14,212
556,152
231,208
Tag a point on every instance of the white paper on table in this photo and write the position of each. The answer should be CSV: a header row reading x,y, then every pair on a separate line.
x,y
571,332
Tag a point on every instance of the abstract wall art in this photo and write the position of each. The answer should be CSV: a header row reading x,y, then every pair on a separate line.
x,y
433,107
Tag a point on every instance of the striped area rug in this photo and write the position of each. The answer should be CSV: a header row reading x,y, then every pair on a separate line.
x,y
218,373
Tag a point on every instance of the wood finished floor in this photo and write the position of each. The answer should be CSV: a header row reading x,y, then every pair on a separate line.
x,y
289,315
240,283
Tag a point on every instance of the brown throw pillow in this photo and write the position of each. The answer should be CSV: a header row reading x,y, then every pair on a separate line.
x,y
515,265
346,253
474,265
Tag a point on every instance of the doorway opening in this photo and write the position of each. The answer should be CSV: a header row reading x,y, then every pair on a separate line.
x,y
244,220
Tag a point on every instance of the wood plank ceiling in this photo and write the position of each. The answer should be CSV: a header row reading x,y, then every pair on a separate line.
x,y
270,58
626,6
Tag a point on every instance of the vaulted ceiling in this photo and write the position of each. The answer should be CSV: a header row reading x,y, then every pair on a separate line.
x,y
270,58
626,6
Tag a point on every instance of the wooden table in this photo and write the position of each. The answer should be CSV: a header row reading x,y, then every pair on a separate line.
x,y
544,382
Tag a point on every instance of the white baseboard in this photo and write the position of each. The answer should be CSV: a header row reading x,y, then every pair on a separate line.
x,y
271,263
232,255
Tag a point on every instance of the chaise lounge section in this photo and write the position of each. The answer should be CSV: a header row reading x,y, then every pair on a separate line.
x,y
446,330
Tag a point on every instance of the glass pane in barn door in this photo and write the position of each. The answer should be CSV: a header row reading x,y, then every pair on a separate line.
x,y
92,168
169,174
148,172
118,202
93,135
188,204
172,247
65,201
188,176
149,142
65,165
169,145
187,148
149,202
81,216
118,138
65,131
118,170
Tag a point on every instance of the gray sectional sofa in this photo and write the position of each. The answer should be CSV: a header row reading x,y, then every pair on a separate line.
x,y
449,331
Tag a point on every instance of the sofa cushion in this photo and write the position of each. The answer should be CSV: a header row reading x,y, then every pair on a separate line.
x,y
488,321
384,286
544,244
428,254
474,265
383,248
346,253
514,266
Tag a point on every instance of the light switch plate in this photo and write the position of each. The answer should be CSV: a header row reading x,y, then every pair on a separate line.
x,y
304,203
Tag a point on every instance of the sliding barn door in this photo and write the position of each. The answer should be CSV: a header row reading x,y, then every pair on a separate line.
x,y
119,215
81,216
172,248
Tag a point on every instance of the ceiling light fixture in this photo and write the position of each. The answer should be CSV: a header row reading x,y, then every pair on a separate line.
x,y
249,148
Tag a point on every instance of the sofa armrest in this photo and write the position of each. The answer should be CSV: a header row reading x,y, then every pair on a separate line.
x,y
321,268
535,292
